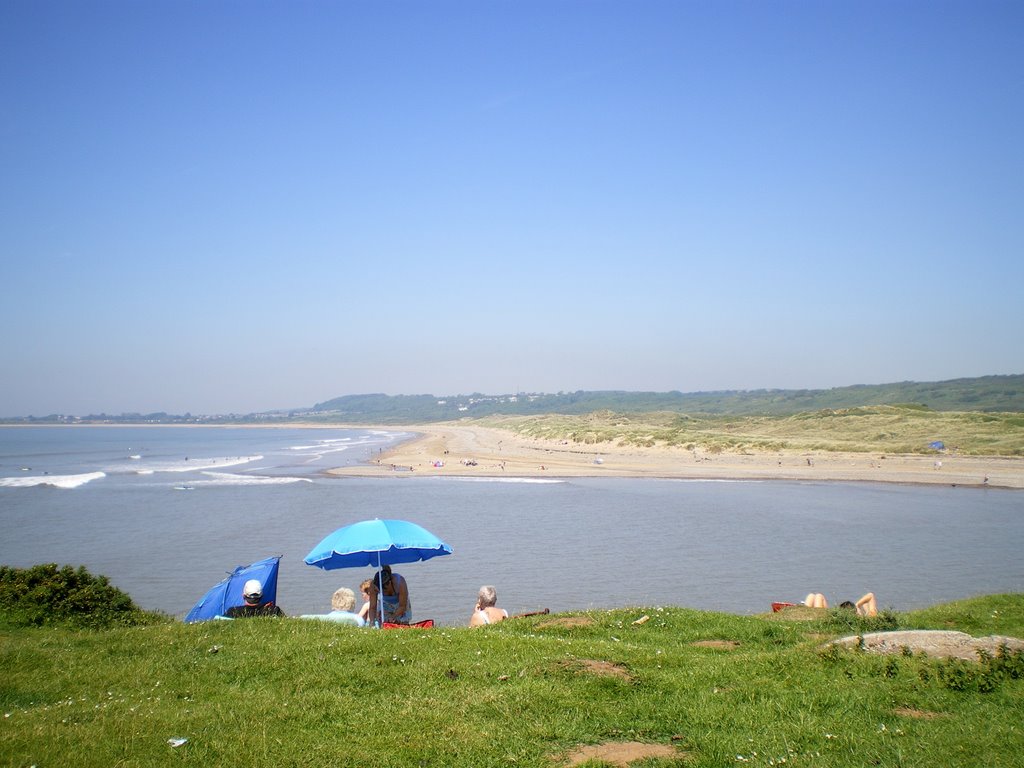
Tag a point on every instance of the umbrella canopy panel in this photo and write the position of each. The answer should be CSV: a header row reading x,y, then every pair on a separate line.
x,y
376,543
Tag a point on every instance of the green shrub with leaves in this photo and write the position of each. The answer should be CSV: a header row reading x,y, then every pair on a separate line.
x,y
48,595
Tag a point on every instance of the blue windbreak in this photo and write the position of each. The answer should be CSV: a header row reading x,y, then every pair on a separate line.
x,y
229,592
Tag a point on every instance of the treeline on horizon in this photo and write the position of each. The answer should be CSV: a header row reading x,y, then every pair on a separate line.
x,y
1002,393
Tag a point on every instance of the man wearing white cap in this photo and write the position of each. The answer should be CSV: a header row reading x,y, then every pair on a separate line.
x,y
252,593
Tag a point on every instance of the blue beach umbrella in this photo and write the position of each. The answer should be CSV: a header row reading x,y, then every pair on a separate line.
x,y
228,593
376,543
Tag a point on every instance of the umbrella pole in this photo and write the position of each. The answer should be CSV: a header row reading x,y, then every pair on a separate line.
x,y
380,592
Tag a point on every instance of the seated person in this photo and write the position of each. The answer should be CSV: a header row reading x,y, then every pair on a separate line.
x,y
364,590
252,593
816,600
393,592
485,611
342,603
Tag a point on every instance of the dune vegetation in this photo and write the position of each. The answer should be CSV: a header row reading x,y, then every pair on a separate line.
x,y
648,686
896,429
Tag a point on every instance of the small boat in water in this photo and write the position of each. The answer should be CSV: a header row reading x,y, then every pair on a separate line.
x,y
184,487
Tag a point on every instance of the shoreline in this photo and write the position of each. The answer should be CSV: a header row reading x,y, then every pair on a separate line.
x,y
468,451
474,451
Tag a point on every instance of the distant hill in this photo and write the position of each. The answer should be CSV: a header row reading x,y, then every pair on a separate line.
x,y
985,393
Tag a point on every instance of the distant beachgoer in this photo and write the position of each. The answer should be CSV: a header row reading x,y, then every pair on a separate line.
x,y
343,601
485,611
393,591
252,593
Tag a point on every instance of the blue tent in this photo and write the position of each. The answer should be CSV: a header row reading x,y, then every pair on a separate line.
x,y
938,445
229,592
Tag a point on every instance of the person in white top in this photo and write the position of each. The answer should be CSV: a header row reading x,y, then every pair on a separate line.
x,y
485,611
343,603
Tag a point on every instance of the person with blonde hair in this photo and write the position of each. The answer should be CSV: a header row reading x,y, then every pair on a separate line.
x,y
364,590
485,611
343,602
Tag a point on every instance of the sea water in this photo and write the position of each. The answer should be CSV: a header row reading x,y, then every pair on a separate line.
x,y
166,512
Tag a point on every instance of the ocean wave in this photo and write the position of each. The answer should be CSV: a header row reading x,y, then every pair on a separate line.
x,y
321,449
320,445
524,480
227,478
55,481
335,444
195,465
330,445
327,448
711,480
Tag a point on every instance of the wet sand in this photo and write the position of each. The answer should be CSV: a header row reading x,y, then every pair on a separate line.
x,y
474,451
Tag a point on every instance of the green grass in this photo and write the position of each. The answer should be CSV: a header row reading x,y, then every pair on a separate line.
x,y
883,429
267,692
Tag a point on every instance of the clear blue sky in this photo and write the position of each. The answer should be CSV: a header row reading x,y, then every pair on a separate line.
x,y
238,206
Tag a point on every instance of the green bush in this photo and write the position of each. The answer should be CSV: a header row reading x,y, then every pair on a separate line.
x,y
48,595
848,621
984,677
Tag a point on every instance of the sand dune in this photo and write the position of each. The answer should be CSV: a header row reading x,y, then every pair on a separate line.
x,y
475,451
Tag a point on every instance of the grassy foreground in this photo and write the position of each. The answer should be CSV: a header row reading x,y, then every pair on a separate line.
x,y
713,689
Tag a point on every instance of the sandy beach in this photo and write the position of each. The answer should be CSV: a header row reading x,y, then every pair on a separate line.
x,y
457,450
